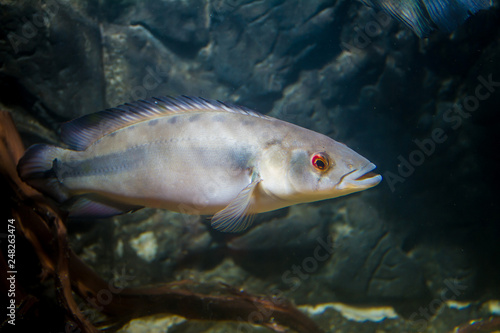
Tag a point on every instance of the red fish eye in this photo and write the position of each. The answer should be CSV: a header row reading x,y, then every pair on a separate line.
x,y
320,161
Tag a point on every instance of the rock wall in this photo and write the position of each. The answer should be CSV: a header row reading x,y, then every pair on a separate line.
x,y
336,67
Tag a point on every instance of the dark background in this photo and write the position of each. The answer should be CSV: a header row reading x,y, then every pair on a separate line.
x,y
313,63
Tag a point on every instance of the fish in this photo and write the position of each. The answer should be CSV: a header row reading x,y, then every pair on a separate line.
x,y
425,16
194,156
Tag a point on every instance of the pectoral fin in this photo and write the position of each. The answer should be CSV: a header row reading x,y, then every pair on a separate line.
x,y
235,217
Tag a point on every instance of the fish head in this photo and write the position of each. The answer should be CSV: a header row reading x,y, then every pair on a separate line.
x,y
322,170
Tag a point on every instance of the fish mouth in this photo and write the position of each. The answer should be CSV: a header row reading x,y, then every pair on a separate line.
x,y
360,179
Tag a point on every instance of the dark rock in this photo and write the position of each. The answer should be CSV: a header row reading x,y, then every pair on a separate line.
x,y
338,68
368,262
60,67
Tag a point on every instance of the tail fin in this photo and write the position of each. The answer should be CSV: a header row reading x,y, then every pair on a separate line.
x,y
448,15
424,16
36,168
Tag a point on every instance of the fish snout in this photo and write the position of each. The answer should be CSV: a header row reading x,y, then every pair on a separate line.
x,y
360,179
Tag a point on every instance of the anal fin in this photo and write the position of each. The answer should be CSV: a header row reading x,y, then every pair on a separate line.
x,y
95,207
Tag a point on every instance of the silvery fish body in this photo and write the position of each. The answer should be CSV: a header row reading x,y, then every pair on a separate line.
x,y
194,156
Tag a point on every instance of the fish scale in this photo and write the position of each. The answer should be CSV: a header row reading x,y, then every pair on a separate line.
x,y
194,156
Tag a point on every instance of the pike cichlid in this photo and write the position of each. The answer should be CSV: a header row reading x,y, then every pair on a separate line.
x,y
194,156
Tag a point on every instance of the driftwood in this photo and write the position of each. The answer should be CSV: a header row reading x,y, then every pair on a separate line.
x,y
488,325
39,221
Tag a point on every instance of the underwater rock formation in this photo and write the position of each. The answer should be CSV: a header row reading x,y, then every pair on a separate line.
x,y
339,68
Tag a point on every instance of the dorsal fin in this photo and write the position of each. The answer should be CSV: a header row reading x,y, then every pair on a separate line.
x,y
80,133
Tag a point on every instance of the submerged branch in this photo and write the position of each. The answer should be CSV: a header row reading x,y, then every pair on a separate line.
x,y
488,325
